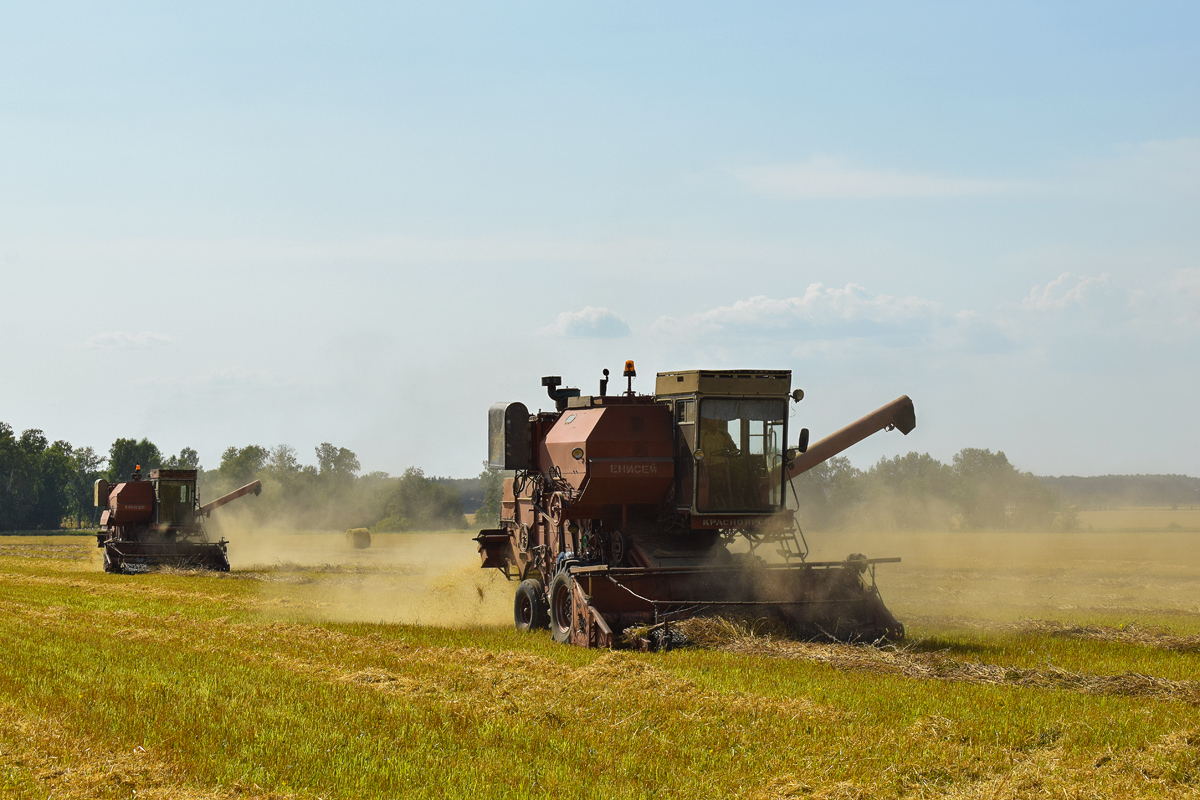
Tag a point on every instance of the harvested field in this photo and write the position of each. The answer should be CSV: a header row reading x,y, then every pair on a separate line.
x,y
916,661
1037,665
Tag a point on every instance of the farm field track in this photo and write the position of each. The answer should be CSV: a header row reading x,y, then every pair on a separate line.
x,y
1037,665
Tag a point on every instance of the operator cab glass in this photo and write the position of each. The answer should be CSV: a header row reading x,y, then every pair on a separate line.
x,y
176,502
743,443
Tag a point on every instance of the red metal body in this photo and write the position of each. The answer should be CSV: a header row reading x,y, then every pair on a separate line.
x,y
626,454
129,504
625,513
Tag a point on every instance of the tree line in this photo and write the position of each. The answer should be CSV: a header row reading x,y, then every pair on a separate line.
x,y
44,485
978,490
41,483
1100,492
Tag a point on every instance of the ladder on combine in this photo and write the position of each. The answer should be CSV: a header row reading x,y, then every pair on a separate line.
x,y
792,545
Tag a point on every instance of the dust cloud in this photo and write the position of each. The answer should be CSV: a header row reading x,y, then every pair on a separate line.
x,y
411,578
1008,576
1132,565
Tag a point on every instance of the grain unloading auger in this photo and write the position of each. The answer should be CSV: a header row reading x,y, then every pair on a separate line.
x,y
628,512
160,521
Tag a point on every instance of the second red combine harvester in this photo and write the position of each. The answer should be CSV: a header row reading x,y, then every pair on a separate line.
x,y
160,521
627,512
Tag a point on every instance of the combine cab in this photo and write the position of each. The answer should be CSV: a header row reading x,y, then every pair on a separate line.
x,y
629,512
160,522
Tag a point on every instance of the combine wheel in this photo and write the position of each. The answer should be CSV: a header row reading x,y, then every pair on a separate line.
x,y
529,609
561,607
110,564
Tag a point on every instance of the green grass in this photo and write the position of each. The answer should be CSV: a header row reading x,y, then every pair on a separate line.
x,y
227,691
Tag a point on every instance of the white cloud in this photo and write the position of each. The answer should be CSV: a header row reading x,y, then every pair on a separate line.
x,y
1074,319
1145,170
588,323
1064,291
820,307
222,380
126,341
1077,318
824,177
1183,314
1187,282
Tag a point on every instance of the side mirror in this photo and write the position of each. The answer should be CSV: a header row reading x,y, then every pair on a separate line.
x,y
698,455
797,395
802,446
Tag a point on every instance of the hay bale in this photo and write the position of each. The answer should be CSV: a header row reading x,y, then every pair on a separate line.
x,y
358,538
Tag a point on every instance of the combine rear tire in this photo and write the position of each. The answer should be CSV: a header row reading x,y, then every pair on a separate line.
x,y
562,610
529,609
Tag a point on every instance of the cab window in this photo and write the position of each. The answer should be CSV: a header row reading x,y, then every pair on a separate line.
x,y
742,445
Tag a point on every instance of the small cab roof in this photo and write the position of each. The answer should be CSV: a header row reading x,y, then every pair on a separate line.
x,y
173,474
732,382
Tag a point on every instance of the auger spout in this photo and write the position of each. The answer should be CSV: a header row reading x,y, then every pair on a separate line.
x,y
255,487
899,414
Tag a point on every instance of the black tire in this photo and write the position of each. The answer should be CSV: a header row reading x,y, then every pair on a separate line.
x,y
562,610
109,564
530,610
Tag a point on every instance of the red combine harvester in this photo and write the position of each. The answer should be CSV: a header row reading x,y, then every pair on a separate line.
x,y
631,511
160,521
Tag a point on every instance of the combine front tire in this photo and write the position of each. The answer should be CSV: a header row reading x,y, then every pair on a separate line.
x,y
561,607
529,609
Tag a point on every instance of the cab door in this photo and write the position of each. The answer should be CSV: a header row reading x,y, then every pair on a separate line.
x,y
684,412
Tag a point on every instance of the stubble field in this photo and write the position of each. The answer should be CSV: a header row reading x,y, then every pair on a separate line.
x,y
1037,665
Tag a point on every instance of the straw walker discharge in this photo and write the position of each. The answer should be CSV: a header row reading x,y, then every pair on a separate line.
x,y
627,512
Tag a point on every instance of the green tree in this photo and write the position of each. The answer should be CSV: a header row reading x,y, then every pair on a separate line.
x,y
915,473
493,492
22,483
86,468
127,454
337,461
187,459
282,463
827,492
11,460
34,480
417,503
55,471
25,479
910,492
240,466
992,493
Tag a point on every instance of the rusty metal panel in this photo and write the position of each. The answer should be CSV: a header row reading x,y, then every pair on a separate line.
x,y
495,548
131,502
613,454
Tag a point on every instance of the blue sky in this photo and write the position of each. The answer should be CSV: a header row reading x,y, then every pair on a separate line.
x,y
295,223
